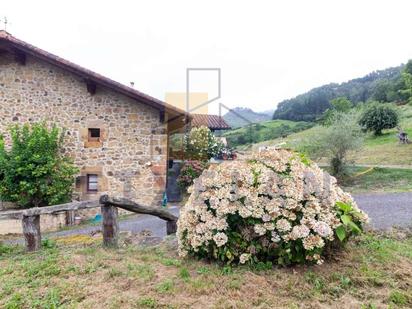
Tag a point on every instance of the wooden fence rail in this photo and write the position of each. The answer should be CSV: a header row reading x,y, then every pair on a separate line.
x,y
110,226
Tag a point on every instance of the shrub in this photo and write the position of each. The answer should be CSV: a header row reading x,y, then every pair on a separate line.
x,y
33,172
378,117
190,171
201,144
276,207
335,141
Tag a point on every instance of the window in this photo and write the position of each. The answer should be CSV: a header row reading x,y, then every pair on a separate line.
x,y
94,135
92,183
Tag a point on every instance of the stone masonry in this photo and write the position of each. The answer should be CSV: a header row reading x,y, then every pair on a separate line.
x,y
130,157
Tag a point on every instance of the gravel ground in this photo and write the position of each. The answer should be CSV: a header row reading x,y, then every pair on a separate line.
x,y
385,210
134,224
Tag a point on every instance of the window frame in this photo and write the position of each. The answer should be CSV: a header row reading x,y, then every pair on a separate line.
x,y
91,138
88,176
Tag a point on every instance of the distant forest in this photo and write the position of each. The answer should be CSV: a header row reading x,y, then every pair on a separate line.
x,y
383,86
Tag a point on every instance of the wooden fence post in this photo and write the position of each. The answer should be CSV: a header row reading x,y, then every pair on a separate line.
x,y
110,226
171,227
31,232
70,217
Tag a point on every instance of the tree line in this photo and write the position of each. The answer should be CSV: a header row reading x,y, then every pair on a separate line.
x,y
389,85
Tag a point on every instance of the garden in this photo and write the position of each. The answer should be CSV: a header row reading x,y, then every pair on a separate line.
x,y
269,230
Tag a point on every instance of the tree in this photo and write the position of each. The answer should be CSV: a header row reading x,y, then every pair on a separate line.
x,y
407,79
378,117
335,141
339,106
201,144
311,105
381,91
33,172
241,140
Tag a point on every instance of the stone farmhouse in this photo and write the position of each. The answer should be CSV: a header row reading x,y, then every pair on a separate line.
x,y
116,135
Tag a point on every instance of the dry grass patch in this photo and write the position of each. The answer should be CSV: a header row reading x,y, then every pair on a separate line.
x,y
374,272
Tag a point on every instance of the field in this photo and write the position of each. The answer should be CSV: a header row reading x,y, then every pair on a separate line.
x,y
263,131
373,273
381,150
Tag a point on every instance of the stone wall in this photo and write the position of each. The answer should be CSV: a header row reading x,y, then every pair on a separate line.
x,y
48,223
130,159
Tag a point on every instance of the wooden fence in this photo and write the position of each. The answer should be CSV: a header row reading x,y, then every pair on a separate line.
x,y
110,226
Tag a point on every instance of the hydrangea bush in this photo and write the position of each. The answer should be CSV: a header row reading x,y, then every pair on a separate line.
x,y
275,207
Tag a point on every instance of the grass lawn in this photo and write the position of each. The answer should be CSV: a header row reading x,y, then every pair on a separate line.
x,y
263,131
379,150
374,272
385,150
364,179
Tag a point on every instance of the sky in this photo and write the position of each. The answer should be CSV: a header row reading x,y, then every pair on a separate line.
x,y
267,51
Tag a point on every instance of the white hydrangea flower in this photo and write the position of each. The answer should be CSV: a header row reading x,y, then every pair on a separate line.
x,y
313,241
260,229
244,258
275,237
220,239
266,218
322,228
283,225
299,231
269,226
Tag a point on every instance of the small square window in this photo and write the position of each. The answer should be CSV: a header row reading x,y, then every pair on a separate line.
x,y
94,135
92,183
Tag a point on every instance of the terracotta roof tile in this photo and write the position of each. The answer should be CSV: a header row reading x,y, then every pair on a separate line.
x,y
213,122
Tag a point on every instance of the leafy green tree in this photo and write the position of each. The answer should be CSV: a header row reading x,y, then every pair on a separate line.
x,y
339,106
378,117
381,92
33,172
408,67
241,140
312,104
407,79
335,141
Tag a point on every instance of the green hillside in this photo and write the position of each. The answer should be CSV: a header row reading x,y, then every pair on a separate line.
x,y
387,85
258,132
377,150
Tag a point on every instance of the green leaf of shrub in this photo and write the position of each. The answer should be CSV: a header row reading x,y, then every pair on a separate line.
x,y
354,227
344,207
347,220
340,232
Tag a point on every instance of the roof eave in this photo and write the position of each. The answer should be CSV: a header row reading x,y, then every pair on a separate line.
x,y
90,76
